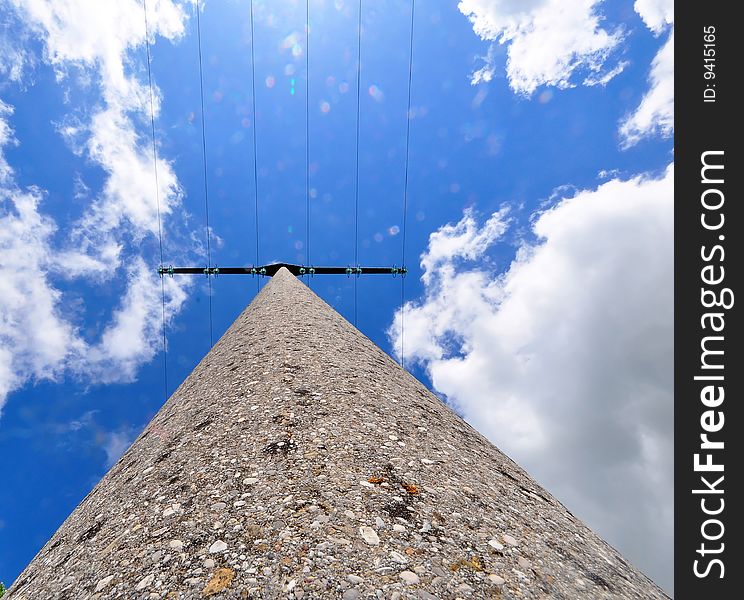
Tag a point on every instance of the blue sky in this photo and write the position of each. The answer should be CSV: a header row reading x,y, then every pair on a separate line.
x,y
539,226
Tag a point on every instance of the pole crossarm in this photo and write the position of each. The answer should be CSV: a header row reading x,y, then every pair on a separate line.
x,y
272,269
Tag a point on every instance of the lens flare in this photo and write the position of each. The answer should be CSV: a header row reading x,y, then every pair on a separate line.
x,y
376,93
290,41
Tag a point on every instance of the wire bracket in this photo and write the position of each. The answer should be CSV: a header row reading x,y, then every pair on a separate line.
x,y
272,269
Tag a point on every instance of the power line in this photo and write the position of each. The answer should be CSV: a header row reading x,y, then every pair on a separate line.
x,y
307,131
273,268
204,160
157,199
405,184
356,191
402,312
255,154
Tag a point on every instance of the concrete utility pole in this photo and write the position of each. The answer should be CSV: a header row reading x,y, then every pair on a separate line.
x,y
299,461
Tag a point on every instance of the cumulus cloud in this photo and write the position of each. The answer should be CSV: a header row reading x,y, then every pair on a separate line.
x,y
463,240
39,338
121,350
548,42
561,44
655,113
97,37
35,338
564,358
656,14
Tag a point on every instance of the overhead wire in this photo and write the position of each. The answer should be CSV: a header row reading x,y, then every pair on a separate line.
x,y
255,154
157,198
307,158
204,161
356,190
307,133
405,185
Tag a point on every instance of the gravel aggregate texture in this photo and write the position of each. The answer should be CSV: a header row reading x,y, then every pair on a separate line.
x,y
298,460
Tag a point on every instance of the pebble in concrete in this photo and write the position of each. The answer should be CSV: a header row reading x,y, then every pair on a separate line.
x,y
176,545
104,583
145,582
409,577
217,546
495,545
369,535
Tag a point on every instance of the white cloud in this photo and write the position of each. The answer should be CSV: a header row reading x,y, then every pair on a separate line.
x,y
117,443
463,240
34,338
134,335
547,42
30,304
557,43
564,360
6,138
39,336
655,114
603,78
128,197
97,37
15,58
656,14
93,32
12,60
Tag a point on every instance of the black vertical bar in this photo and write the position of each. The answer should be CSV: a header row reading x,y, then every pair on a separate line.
x,y
708,373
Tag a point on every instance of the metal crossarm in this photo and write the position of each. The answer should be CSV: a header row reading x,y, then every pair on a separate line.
x,y
271,270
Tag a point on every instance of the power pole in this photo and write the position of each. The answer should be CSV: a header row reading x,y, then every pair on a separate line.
x,y
298,460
